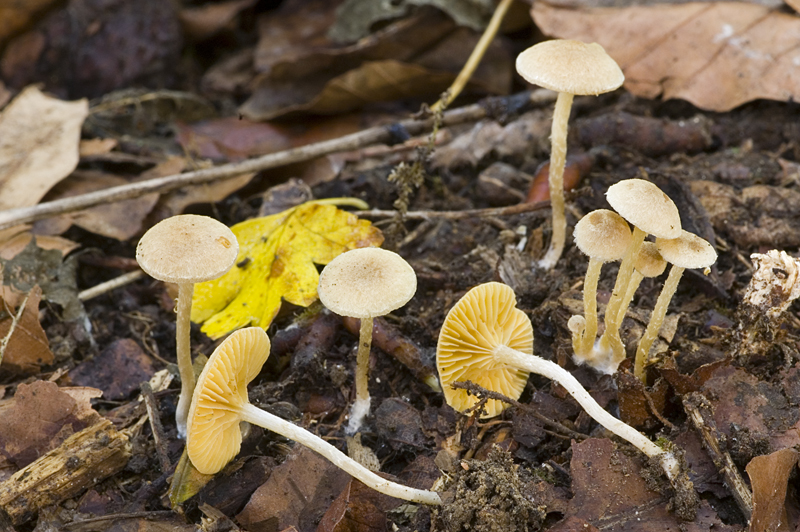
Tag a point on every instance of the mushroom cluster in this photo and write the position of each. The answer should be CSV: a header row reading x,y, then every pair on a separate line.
x,y
602,235
569,68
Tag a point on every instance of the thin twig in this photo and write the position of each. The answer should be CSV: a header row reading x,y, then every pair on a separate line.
x,y
109,285
155,424
475,57
489,394
14,320
132,515
375,135
699,410
522,208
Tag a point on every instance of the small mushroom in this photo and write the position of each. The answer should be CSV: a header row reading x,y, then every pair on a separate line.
x,y
365,283
649,263
569,68
604,236
220,402
487,340
687,251
650,211
186,249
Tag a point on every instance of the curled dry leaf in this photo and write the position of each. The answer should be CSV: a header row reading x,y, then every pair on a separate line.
x,y
716,55
28,348
39,138
769,477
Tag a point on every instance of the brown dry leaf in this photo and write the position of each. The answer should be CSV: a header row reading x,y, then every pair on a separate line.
x,y
761,407
202,22
374,81
314,483
357,509
118,370
769,477
28,348
15,16
121,220
609,489
715,55
39,419
39,138
94,147
14,239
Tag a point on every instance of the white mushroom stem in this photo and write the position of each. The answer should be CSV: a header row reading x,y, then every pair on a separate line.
x,y
551,370
558,158
610,342
184,354
656,320
583,351
289,430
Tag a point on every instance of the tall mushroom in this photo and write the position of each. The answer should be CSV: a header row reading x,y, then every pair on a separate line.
x,y
604,236
686,251
220,402
365,283
650,211
569,68
478,342
186,249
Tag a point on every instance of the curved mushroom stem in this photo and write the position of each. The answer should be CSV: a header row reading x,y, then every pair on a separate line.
x,y
289,430
184,355
630,291
558,158
656,320
584,350
360,408
553,371
610,342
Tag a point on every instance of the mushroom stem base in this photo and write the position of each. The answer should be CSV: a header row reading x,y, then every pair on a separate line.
x,y
289,430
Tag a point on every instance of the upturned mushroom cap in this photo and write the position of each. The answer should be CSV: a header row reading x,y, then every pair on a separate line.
x,y
366,282
570,66
187,249
688,251
649,262
602,235
483,319
644,205
213,437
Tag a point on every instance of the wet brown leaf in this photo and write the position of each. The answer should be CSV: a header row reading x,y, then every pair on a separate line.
x,y
118,370
41,417
769,476
28,348
38,145
356,509
716,55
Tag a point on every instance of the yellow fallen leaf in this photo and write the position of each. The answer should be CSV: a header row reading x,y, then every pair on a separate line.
x,y
277,257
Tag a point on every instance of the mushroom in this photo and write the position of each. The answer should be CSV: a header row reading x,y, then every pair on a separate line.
x,y
651,211
649,263
365,283
487,340
604,236
569,68
220,403
186,249
687,251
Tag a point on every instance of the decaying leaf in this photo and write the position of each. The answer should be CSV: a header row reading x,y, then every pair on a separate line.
x,y
39,138
14,16
202,22
118,370
716,55
277,257
39,419
769,477
56,277
28,348
14,239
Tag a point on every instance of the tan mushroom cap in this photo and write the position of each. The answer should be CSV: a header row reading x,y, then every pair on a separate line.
x,y
187,249
366,282
213,437
570,66
688,251
603,235
483,319
644,205
649,261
